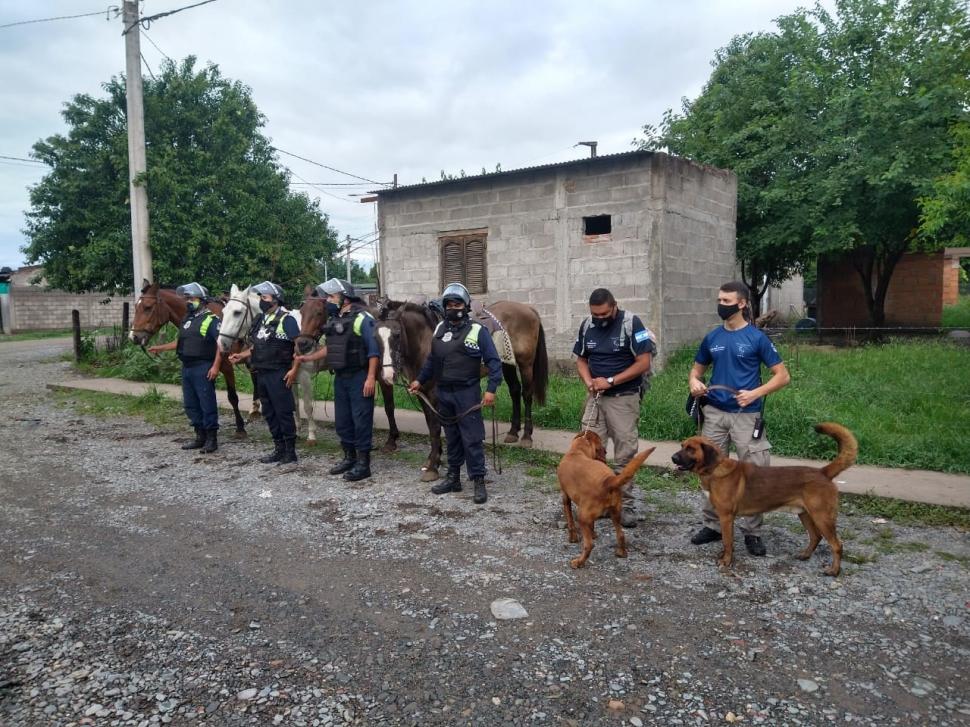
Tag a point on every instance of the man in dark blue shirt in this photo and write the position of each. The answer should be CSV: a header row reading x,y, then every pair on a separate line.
x,y
459,349
614,352
737,351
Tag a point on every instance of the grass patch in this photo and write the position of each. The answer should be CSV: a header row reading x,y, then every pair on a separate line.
x,y
951,558
859,558
897,397
154,407
958,315
58,333
904,513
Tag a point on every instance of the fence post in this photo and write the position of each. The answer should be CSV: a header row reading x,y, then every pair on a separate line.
x,y
124,319
76,327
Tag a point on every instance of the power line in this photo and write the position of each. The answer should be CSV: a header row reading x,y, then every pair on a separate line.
x,y
145,35
319,189
62,17
333,184
146,22
332,169
22,159
145,61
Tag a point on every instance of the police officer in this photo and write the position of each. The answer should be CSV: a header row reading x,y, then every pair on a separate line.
x,y
459,348
271,356
200,356
613,353
351,353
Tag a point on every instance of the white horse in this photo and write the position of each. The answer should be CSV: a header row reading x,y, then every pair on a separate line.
x,y
238,316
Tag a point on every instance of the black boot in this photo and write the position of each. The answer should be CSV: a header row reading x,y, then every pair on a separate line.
x,y
199,440
480,495
361,469
349,460
276,455
452,483
705,535
211,441
289,452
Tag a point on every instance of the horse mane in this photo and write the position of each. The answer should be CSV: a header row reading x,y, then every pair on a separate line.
x,y
420,310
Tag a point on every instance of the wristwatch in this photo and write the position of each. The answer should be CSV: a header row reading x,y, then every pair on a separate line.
x,y
609,380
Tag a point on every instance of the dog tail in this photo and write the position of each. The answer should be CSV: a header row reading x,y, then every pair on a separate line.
x,y
848,448
626,474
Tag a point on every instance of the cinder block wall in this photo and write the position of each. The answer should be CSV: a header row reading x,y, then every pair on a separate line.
x,y
40,309
537,252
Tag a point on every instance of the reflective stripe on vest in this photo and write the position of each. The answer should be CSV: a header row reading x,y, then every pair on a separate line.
x,y
205,324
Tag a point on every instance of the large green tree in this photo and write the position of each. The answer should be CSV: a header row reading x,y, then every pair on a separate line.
x,y
837,125
220,207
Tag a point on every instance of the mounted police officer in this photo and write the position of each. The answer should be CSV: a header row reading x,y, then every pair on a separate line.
x,y
614,352
271,356
197,350
351,353
459,349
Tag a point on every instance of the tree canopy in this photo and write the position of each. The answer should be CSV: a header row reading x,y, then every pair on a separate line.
x,y
220,207
839,127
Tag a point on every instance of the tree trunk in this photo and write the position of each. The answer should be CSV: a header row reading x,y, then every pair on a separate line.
x,y
875,269
753,279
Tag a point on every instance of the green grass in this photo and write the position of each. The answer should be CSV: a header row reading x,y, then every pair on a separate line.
x,y
957,316
906,401
35,335
153,407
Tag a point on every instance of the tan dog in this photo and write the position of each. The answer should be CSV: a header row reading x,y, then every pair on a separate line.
x,y
585,479
741,488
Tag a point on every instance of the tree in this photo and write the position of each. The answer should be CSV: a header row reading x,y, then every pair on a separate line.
x,y
837,126
220,207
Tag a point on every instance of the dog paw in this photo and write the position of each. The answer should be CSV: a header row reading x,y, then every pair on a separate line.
x,y
831,571
803,555
620,552
573,538
576,563
724,562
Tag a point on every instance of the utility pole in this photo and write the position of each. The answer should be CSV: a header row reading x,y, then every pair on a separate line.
x,y
141,253
348,261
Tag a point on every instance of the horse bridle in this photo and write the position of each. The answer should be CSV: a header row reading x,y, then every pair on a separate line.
x,y
156,316
248,318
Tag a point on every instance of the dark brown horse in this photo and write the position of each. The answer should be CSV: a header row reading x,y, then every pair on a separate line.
x,y
313,319
404,337
157,306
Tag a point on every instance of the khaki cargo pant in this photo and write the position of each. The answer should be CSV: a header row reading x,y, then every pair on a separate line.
x,y
616,418
725,429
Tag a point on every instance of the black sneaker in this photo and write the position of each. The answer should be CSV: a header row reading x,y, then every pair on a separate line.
x,y
755,546
705,535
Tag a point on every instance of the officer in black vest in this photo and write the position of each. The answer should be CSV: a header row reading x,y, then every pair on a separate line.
x,y
271,356
197,350
351,353
459,349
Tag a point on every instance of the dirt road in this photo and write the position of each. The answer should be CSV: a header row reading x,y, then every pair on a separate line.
x,y
142,585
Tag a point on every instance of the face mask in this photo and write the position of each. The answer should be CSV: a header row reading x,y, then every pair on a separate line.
x,y
265,305
603,322
193,306
333,310
726,311
454,314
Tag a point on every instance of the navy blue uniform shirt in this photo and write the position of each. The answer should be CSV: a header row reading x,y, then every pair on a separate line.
x,y
737,357
608,353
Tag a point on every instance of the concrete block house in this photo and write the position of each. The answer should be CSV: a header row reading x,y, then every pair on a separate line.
x,y
657,230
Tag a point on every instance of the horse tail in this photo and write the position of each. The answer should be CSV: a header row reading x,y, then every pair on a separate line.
x,y
540,369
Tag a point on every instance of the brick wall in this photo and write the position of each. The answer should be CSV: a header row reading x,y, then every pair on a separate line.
x,y
951,280
914,298
39,309
537,252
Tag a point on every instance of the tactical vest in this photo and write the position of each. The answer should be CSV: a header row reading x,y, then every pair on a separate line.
x,y
346,351
625,344
193,342
454,361
272,348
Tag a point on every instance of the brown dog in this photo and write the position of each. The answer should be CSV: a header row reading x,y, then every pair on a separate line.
x,y
585,479
741,488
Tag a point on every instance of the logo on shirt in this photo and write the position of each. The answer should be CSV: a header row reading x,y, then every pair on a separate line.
x,y
642,336
717,348
187,325
446,337
743,348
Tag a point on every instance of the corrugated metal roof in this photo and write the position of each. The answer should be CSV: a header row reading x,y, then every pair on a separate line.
x,y
520,170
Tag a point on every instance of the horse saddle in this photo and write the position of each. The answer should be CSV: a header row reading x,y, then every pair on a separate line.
x,y
500,337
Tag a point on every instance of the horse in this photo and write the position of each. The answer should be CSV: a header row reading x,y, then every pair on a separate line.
x,y
404,337
157,306
313,314
240,310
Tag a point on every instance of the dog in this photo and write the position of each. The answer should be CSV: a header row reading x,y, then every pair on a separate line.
x,y
585,479
741,488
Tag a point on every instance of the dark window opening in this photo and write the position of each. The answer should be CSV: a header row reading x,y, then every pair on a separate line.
x,y
598,225
462,260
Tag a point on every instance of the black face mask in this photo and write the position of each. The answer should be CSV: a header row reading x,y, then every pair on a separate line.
x,y
454,314
265,305
726,311
605,321
333,310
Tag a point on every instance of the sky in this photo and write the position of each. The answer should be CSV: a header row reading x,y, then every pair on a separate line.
x,y
411,87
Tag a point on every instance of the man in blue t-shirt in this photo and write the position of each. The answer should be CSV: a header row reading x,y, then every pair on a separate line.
x,y
614,351
737,350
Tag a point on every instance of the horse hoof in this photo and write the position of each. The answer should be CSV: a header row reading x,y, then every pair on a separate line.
x,y
389,449
511,438
430,475
526,442
240,434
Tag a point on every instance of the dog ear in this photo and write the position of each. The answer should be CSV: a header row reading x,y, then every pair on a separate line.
x,y
711,455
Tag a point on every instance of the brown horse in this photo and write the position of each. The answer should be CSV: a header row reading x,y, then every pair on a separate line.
x,y
157,306
404,337
313,319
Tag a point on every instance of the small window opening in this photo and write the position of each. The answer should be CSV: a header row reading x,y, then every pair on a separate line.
x,y
598,225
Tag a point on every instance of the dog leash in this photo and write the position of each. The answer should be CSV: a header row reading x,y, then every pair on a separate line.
x,y
590,421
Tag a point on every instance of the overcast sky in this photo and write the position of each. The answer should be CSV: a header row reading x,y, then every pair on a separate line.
x,y
379,87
